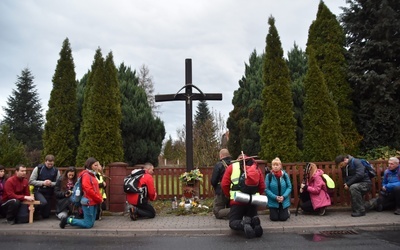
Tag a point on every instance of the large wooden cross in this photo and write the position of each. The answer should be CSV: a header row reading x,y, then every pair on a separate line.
x,y
188,97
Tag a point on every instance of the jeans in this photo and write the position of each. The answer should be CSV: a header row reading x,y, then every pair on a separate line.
x,y
45,204
357,191
89,217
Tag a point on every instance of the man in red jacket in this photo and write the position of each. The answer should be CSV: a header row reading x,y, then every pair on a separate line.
x,y
16,190
242,216
139,205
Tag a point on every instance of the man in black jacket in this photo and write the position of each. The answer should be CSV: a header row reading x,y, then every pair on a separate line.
x,y
221,202
356,180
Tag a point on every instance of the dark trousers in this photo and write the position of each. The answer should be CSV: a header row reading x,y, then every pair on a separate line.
x,y
307,206
16,211
146,210
391,199
221,206
278,214
45,204
236,214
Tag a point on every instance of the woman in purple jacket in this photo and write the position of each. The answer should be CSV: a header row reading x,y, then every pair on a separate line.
x,y
316,187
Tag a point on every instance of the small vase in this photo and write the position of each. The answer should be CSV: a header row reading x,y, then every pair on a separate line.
x,y
188,191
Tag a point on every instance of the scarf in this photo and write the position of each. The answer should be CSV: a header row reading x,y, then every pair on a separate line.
x,y
277,174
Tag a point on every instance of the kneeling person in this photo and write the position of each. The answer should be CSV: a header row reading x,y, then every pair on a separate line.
x,y
242,216
139,205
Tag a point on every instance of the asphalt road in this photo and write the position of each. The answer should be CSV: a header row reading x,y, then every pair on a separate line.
x,y
329,240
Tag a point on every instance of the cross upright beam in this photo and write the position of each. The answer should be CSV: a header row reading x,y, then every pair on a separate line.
x,y
189,97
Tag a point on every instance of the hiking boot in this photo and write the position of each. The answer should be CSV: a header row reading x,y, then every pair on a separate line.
x,y
379,206
357,214
397,212
248,229
256,225
321,211
10,222
63,222
133,213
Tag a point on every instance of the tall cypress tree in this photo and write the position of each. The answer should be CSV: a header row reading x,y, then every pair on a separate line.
x,y
101,114
59,136
373,42
245,118
24,113
278,128
322,134
297,63
327,39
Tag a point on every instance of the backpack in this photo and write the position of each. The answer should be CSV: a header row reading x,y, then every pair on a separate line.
x,y
131,182
250,177
368,168
77,192
330,184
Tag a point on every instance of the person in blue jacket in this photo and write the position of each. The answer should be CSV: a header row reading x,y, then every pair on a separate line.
x,y
389,197
278,189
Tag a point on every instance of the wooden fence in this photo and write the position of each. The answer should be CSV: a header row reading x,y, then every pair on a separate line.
x,y
167,182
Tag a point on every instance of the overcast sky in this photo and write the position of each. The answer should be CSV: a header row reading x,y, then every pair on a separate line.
x,y
218,35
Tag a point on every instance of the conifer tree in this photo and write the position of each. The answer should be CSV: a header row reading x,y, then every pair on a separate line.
x,y
23,114
205,143
146,82
278,128
245,118
12,152
373,43
142,133
322,134
100,134
59,138
327,39
297,63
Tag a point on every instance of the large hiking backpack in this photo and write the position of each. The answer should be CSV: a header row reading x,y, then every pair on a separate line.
x,y
250,177
131,182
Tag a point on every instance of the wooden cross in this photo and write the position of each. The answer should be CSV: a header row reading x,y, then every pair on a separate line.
x,y
188,97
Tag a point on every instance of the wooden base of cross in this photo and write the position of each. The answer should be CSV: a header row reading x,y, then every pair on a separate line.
x,y
31,208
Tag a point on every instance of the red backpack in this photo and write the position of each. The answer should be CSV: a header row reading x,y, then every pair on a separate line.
x,y
250,176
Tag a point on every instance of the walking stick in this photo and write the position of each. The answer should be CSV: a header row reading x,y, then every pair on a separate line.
x,y
305,177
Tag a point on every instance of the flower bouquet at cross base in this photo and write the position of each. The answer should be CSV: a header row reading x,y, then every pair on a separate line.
x,y
190,181
189,178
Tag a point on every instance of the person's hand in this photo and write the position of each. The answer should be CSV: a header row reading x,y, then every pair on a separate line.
x,y
29,198
68,193
47,183
346,187
302,185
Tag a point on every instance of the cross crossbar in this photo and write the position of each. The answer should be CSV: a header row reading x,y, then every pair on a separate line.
x,y
188,97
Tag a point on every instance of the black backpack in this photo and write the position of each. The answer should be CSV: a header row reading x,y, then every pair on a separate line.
x,y
131,182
